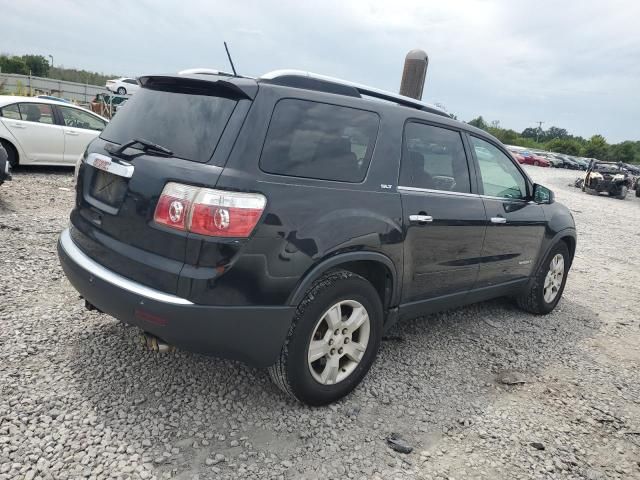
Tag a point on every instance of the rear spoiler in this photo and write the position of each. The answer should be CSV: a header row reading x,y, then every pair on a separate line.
x,y
195,84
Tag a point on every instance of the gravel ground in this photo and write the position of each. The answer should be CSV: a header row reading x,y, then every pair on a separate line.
x,y
80,397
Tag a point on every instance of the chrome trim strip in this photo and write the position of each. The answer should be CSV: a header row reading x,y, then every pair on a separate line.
x,y
457,194
102,162
429,190
83,261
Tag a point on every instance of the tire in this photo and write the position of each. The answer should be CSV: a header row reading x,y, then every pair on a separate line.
x,y
536,163
122,91
12,154
299,377
533,299
637,190
623,193
591,191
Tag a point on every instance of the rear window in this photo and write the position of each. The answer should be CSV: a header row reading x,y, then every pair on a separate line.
x,y
190,125
318,140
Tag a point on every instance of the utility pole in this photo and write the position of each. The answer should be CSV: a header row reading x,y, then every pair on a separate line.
x,y
539,122
51,57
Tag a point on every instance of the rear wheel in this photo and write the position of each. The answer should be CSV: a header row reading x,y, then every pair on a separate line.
x,y
544,292
536,163
12,154
122,91
333,340
637,190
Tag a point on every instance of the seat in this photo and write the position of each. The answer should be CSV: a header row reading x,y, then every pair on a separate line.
x,y
417,176
33,113
334,152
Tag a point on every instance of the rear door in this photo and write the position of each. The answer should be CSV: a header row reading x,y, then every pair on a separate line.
x,y
443,218
80,128
515,225
33,126
118,189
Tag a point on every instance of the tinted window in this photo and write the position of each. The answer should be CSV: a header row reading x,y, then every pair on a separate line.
x,y
79,119
36,112
190,125
434,158
130,80
500,177
11,111
317,140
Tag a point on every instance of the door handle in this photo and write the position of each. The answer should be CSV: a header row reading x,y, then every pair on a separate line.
x,y
498,220
420,218
18,125
72,133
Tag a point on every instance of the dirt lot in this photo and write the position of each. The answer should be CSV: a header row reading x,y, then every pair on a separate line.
x,y
80,397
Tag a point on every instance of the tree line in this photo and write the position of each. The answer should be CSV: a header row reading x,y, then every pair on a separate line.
x,y
39,66
556,139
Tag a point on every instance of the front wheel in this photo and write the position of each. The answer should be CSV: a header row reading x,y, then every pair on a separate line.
x,y
623,193
546,287
333,339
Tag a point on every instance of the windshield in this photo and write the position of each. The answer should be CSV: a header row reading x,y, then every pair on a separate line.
x,y
187,124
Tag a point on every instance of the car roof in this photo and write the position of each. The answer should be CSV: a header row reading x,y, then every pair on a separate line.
x,y
9,99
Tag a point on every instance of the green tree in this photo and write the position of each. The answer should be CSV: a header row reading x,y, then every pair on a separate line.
x,y
624,152
479,123
596,147
529,132
37,64
566,146
555,132
11,64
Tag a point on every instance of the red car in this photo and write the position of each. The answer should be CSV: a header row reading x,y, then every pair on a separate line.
x,y
523,156
519,158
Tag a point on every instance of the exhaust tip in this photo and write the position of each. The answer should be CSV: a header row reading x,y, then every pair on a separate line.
x,y
155,344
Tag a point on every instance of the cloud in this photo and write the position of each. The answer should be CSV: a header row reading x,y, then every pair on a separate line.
x,y
573,64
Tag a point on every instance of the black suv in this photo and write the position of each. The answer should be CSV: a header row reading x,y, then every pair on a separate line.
x,y
289,221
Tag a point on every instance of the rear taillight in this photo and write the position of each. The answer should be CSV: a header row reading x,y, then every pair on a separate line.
x,y
206,211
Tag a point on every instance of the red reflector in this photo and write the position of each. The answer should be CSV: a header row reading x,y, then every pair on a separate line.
x,y
150,317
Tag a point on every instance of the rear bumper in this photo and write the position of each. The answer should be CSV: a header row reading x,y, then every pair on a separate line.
x,y
254,335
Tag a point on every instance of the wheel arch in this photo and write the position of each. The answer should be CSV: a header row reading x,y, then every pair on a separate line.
x,y
6,142
376,267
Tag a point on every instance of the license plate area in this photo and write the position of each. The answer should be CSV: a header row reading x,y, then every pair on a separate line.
x,y
108,188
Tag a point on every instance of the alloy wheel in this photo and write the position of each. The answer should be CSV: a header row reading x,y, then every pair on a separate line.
x,y
339,341
553,280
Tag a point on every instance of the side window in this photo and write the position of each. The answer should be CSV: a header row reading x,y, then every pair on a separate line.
x,y
11,112
79,119
434,158
318,140
37,112
131,81
500,177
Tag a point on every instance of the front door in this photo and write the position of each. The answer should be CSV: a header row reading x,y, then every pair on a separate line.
x,y
515,225
444,220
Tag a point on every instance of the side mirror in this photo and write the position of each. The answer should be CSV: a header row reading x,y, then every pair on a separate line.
x,y
542,194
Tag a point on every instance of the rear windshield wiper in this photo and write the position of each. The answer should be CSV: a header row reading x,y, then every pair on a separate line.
x,y
147,146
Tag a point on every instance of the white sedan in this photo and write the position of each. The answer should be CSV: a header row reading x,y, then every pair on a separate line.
x,y
46,132
123,86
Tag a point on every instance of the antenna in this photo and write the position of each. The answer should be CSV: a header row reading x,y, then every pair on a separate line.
x,y
230,61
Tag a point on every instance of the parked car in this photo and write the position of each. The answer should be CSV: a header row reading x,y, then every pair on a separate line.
x,y
532,159
287,221
5,166
607,177
46,132
569,163
518,157
551,158
123,86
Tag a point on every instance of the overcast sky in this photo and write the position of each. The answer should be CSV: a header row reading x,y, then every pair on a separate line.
x,y
573,64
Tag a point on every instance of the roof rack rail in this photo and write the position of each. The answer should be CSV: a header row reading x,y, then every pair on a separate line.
x,y
281,76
